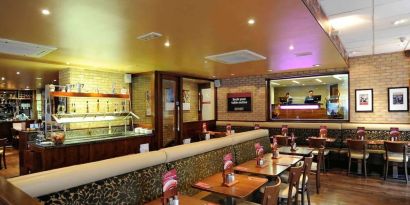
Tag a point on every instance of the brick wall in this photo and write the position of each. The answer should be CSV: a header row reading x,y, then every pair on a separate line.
x,y
378,72
142,84
93,79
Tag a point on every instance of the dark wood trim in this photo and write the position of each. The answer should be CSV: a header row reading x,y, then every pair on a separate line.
x,y
268,103
158,112
388,99
216,101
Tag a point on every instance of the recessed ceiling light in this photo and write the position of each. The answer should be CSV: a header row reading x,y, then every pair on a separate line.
x,y
251,21
3,78
167,44
45,12
291,47
18,73
316,65
400,21
232,74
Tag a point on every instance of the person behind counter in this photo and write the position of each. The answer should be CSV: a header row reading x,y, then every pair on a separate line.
x,y
310,99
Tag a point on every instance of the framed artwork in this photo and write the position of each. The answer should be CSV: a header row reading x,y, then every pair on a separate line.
x,y
364,100
398,99
148,111
186,100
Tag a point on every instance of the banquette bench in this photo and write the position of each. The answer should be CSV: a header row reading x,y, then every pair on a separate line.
x,y
136,179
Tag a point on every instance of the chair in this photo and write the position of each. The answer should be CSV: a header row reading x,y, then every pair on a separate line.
x,y
270,196
317,143
3,152
290,190
396,152
303,182
357,149
282,140
315,168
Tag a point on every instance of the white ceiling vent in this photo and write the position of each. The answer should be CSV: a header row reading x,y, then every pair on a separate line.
x,y
234,57
149,36
24,49
303,54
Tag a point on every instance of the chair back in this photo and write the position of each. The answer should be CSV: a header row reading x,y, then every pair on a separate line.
x,y
357,145
317,142
284,130
271,193
282,140
294,177
307,165
395,147
361,133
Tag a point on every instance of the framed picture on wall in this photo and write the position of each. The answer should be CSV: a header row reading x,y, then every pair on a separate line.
x,y
364,100
398,99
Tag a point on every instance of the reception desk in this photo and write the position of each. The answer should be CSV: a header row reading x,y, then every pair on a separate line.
x,y
301,111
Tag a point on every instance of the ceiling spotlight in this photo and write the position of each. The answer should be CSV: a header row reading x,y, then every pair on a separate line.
x,y
316,65
18,73
232,74
291,47
45,12
400,21
251,21
3,78
167,44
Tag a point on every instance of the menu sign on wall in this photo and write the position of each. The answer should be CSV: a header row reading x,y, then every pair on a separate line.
x,y
239,102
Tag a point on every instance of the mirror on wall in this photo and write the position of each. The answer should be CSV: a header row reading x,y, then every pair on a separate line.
x,y
324,97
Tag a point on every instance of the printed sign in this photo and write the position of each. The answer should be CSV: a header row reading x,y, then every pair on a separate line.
x,y
240,102
169,181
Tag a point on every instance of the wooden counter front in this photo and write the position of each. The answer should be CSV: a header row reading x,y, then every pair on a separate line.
x,y
39,158
302,113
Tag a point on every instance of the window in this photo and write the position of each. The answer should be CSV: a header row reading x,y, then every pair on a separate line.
x,y
324,97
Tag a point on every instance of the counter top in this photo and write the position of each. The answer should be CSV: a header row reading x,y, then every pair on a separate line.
x,y
87,140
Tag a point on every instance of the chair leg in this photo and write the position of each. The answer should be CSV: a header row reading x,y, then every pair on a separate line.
x,y
308,194
302,194
405,172
350,163
324,164
365,168
4,160
386,169
317,181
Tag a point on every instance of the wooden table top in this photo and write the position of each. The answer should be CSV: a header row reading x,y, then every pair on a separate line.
x,y
183,200
328,139
273,167
246,185
301,151
376,142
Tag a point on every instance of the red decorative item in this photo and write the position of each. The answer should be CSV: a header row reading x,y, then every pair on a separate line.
x,y
228,129
228,175
284,130
394,133
204,127
169,186
257,127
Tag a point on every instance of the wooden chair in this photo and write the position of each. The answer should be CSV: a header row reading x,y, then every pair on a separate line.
x,y
315,168
316,143
396,152
290,191
357,149
3,152
270,195
282,140
303,182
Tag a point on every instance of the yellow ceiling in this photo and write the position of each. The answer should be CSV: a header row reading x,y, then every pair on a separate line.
x,y
102,34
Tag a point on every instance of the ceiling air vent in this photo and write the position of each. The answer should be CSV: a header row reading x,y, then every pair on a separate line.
x,y
303,54
149,36
24,49
234,57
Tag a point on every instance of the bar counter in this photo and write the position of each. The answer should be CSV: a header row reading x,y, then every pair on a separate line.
x,y
302,111
79,150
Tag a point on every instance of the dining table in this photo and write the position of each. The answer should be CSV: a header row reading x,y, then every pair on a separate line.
x,y
244,187
271,167
183,199
300,151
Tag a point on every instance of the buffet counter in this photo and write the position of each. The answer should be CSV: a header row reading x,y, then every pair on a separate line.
x,y
47,155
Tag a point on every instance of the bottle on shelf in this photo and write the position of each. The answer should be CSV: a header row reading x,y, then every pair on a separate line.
x,y
108,106
98,105
73,107
87,107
